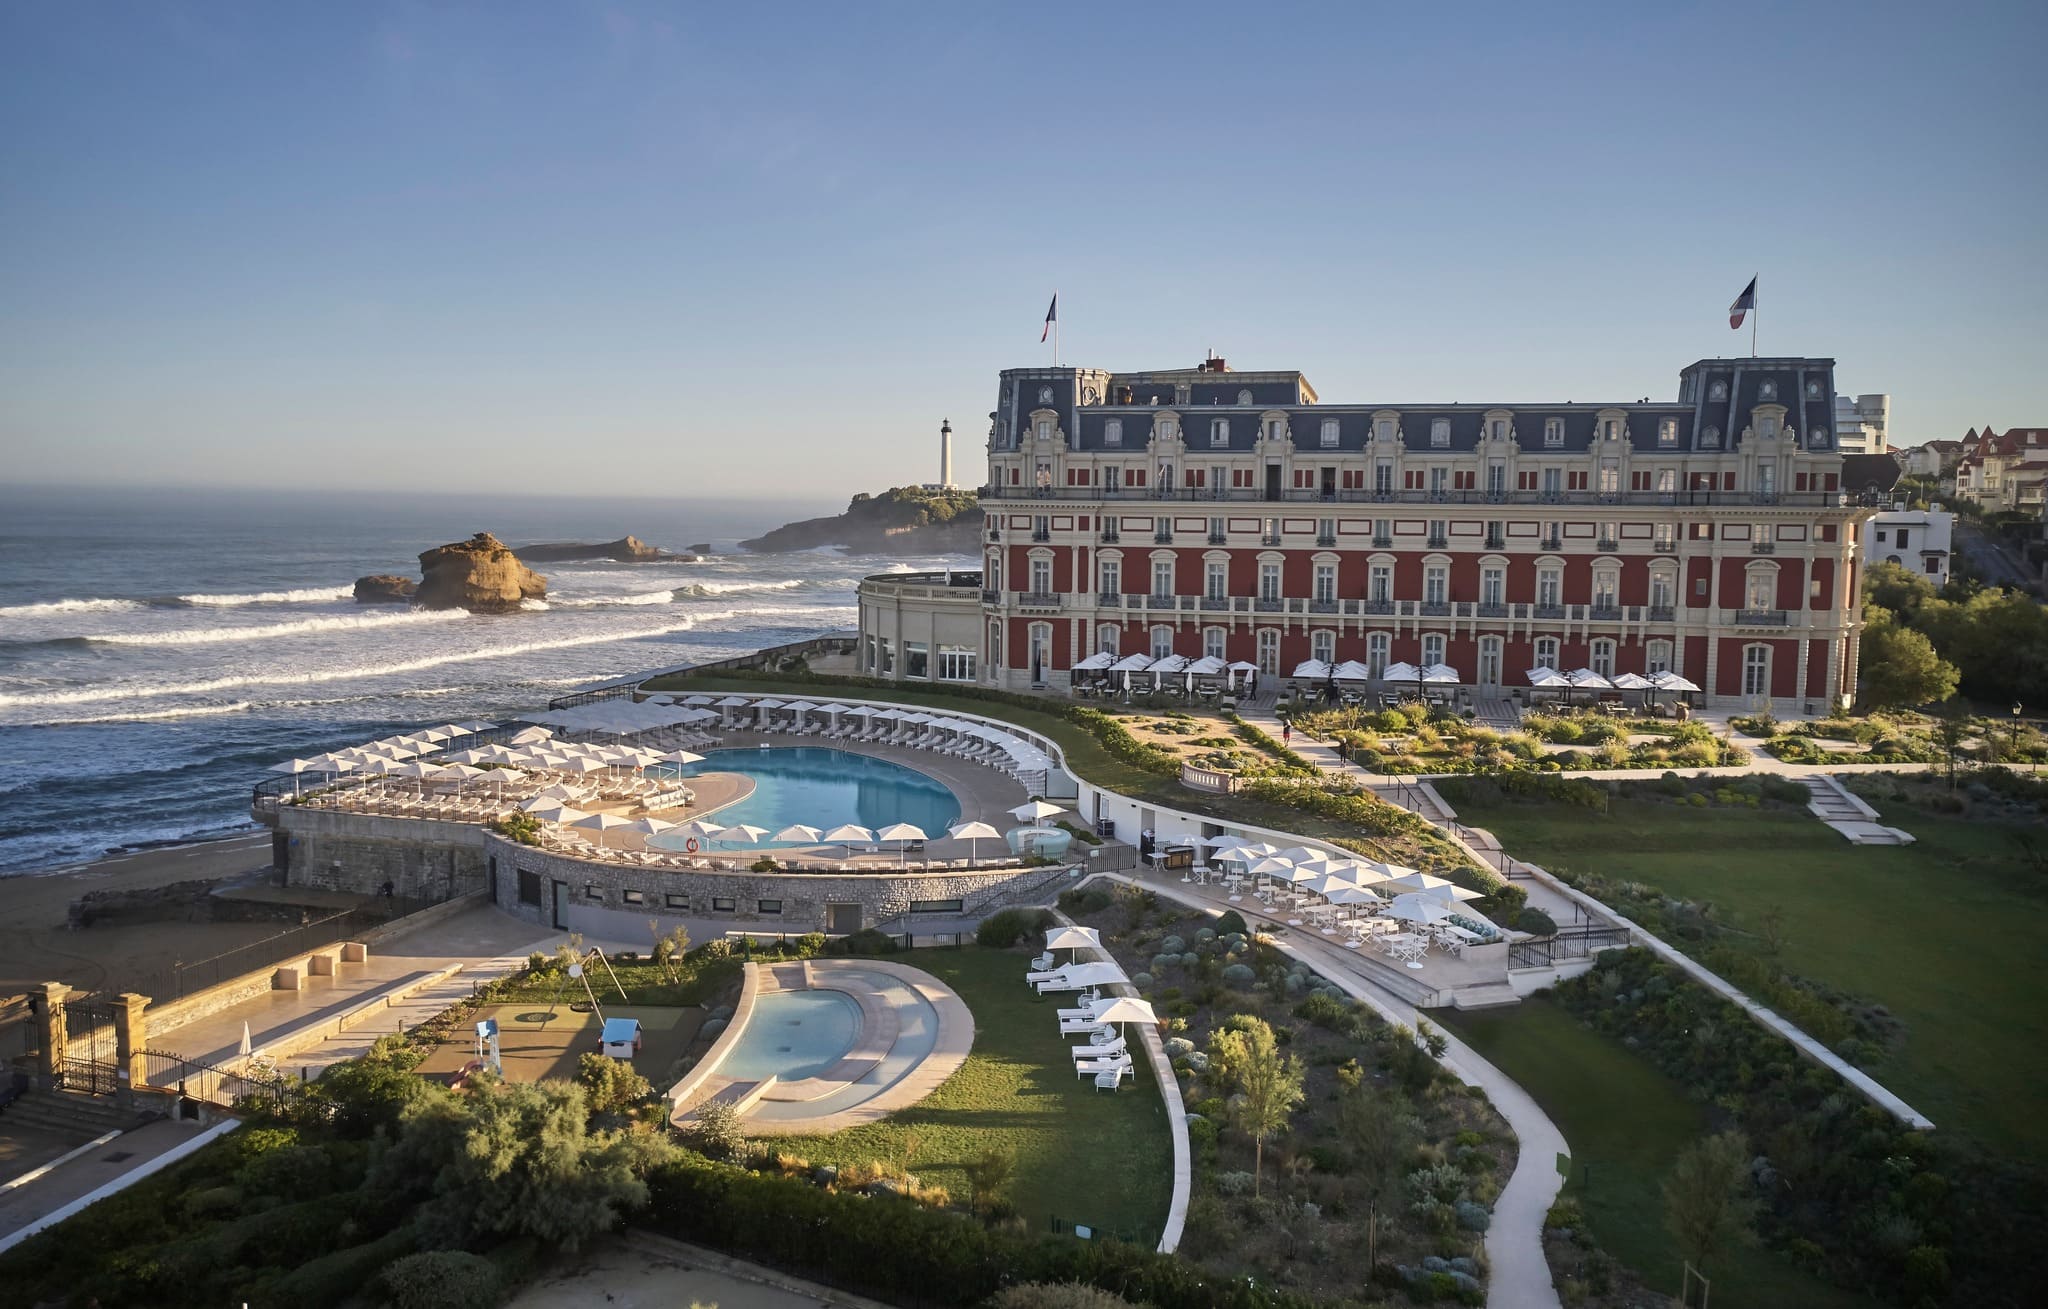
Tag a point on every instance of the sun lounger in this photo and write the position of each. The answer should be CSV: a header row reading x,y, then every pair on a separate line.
x,y
1093,1051
1119,1065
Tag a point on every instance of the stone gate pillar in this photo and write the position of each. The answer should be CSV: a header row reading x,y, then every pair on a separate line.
x,y
53,1030
131,1034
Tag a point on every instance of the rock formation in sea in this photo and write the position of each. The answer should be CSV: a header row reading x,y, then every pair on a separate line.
x,y
480,574
904,520
625,550
385,589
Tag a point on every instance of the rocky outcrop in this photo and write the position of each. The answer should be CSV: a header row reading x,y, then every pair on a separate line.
x,y
480,574
906,520
625,550
385,589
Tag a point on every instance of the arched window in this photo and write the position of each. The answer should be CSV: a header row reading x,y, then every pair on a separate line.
x,y
1109,638
1329,434
1269,651
1377,645
1113,432
1603,657
1322,644
1162,641
1761,589
1546,652
1432,648
1040,650
1213,639
1657,656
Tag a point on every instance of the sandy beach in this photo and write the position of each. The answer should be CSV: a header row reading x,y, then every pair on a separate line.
x,y
36,946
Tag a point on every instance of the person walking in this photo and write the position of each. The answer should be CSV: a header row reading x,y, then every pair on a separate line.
x,y
1287,734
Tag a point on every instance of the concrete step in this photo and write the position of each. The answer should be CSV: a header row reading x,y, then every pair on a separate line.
x,y
1486,995
85,1116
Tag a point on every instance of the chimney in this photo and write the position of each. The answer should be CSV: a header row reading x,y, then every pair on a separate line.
x,y
946,452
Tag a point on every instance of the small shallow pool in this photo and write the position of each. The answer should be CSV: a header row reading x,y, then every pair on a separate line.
x,y
794,1035
822,787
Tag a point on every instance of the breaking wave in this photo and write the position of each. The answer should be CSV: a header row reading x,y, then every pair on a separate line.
x,y
309,595
268,631
67,607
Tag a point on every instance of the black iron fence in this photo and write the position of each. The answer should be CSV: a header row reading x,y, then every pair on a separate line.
x,y
219,1084
1577,943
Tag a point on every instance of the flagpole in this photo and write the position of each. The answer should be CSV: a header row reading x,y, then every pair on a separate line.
x,y
1055,327
1755,312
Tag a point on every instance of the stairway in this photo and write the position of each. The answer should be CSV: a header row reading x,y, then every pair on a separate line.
x,y
68,1113
1856,821
1498,712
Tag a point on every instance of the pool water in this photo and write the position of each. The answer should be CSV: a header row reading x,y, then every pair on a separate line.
x,y
823,788
793,1035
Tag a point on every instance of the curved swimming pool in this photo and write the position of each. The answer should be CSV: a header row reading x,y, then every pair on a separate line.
x,y
822,787
793,1035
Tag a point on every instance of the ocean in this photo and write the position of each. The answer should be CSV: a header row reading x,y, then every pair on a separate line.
x,y
159,649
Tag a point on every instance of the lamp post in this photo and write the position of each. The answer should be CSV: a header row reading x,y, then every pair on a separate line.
x,y
2015,728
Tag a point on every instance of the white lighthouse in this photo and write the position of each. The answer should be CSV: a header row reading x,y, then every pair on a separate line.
x,y
946,452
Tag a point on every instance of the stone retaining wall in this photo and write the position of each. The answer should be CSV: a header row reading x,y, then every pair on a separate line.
x,y
804,897
422,858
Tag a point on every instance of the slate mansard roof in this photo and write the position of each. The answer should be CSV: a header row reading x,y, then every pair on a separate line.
x,y
1716,399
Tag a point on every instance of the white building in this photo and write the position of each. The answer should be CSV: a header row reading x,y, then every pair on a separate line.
x,y
1863,424
1918,540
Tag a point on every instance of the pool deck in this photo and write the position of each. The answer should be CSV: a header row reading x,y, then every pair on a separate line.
x,y
879,1028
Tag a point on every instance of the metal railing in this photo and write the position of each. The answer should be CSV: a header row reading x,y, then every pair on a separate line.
x,y
1573,943
1698,498
1763,618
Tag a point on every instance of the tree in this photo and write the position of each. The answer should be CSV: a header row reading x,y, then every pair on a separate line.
x,y
1707,1202
1896,588
1268,1084
1951,726
610,1084
669,948
1900,666
989,1172
1383,1137
509,1159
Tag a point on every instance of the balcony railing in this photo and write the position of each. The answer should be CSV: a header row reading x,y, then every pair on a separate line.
x,y
1268,605
1662,613
1438,542
1694,498
1216,603
1762,618
1382,542
1041,535
1604,613
1550,543
991,597
1269,538
1549,611
1607,545
1110,599
1436,609
1379,606
1039,600
1763,547
1326,540
1493,611
1322,606
1217,538
1162,538
1665,547
1110,536
1496,543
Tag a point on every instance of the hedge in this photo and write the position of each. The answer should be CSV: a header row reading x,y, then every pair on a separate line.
x,y
909,1255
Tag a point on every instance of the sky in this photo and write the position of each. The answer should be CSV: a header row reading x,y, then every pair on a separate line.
x,y
762,251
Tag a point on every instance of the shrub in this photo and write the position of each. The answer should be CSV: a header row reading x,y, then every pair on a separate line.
x,y
441,1279
610,1084
1240,976
1232,923
716,1133
1052,1295
1002,930
1535,922
867,941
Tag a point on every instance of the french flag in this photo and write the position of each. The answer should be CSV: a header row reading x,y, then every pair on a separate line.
x,y
1052,315
1744,303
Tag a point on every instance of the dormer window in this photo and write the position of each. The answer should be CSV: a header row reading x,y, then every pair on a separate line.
x,y
1813,389
1113,432
1440,432
1553,431
1181,392
1667,431
1383,430
1045,429
1329,434
1498,429
1045,395
1276,428
1710,438
1818,438
1219,432
1718,391
1768,390
1244,397
1163,430
1767,428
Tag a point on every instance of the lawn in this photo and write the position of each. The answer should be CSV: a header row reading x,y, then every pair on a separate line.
x,y
1626,1123
1095,1157
1944,933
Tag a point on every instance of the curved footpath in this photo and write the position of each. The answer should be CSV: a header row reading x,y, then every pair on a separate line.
x,y
1518,1275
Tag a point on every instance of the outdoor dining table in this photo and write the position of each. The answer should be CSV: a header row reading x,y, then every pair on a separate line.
x,y
1407,947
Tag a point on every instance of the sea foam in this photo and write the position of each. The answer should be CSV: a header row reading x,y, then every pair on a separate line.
x,y
270,631
309,595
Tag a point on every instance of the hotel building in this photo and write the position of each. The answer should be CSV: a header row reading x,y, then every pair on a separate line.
x,y
1204,511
